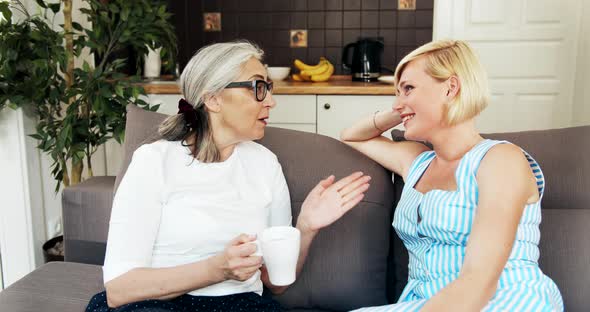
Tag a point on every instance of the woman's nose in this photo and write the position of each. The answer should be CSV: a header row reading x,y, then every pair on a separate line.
x,y
269,101
398,105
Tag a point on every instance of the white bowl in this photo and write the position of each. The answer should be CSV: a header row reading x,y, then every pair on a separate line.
x,y
387,79
278,73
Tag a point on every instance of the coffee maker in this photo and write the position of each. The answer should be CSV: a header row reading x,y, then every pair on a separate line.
x,y
365,64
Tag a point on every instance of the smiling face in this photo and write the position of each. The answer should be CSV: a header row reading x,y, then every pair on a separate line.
x,y
241,116
420,101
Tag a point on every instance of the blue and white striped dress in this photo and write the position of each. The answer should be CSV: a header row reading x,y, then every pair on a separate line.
x,y
437,243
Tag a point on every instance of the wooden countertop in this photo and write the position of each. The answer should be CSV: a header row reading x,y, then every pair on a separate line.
x,y
342,85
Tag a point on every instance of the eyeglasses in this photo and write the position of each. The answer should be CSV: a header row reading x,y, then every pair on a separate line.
x,y
260,87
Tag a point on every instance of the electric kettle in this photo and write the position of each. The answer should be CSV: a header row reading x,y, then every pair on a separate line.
x,y
365,64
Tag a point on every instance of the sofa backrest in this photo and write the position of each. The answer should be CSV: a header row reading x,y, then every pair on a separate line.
x,y
563,155
347,263
565,228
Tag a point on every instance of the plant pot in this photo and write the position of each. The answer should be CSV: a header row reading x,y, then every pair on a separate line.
x,y
53,249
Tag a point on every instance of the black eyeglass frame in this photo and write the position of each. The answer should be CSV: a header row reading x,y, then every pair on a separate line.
x,y
254,85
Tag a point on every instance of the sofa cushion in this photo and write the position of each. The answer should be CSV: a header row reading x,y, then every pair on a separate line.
x,y
55,286
347,264
141,128
565,254
86,214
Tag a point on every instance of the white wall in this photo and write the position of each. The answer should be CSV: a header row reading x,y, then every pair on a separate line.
x,y
581,104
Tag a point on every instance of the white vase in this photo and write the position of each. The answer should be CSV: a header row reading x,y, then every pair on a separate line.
x,y
152,64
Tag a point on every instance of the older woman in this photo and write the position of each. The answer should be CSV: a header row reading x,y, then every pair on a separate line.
x,y
470,210
187,209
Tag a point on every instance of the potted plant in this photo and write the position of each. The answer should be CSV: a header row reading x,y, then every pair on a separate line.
x,y
86,107
78,108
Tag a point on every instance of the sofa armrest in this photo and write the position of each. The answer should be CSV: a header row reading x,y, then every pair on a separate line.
x,y
86,209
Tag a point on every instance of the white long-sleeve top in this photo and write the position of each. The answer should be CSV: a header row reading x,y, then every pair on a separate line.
x,y
170,209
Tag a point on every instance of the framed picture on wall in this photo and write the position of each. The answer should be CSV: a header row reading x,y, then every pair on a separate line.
x,y
212,21
406,4
298,38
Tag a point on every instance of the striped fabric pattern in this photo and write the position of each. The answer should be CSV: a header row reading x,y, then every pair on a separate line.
x,y
437,243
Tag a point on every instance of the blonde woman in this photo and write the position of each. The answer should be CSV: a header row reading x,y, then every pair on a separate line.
x,y
188,207
470,209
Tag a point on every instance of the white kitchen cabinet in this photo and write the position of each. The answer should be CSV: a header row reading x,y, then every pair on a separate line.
x,y
296,112
336,112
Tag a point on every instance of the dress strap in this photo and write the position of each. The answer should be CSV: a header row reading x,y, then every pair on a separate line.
x,y
418,166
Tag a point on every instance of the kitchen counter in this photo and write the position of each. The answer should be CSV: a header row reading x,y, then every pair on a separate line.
x,y
342,85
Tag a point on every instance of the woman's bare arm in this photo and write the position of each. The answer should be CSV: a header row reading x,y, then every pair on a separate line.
x,y
365,136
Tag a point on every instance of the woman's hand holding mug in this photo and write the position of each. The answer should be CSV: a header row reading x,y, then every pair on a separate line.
x,y
238,261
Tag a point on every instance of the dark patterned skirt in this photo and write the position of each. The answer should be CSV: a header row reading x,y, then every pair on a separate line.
x,y
185,303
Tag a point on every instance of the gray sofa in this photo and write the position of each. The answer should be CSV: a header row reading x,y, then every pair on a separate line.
x,y
359,260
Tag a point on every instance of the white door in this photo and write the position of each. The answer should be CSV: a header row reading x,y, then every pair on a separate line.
x,y
336,112
529,50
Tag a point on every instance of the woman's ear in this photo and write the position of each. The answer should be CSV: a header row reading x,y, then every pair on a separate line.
x,y
212,103
453,86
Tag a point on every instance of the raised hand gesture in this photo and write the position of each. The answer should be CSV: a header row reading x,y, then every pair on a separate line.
x,y
330,200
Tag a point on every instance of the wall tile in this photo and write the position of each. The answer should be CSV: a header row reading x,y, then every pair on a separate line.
x,y
281,20
403,51
298,5
314,54
388,19
372,33
316,20
350,35
351,4
333,4
334,19
424,4
334,55
351,19
406,37
423,36
389,36
370,4
315,5
389,56
298,20
316,38
277,5
334,38
424,19
370,19
406,19
388,4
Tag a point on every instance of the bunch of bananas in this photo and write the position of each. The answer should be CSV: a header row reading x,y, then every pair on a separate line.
x,y
320,72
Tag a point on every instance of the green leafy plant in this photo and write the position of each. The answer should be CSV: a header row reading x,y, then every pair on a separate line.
x,y
84,107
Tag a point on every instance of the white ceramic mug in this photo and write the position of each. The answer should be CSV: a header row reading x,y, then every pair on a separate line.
x,y
279,248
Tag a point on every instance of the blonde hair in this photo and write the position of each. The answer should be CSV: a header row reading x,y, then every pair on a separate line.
x,y
207,73
444,59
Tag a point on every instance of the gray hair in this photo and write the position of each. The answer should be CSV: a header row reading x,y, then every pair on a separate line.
x,y
207,73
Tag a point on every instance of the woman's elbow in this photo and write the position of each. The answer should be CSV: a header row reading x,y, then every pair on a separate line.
x,y
345,135
114,298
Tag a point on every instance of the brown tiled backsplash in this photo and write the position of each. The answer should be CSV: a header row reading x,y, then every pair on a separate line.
x,y
330,24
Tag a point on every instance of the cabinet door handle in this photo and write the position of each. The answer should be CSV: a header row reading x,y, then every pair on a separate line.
x,y
327,106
